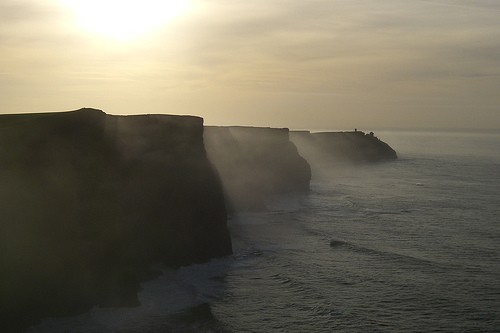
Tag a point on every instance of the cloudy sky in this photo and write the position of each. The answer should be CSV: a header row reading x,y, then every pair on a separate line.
x,y
332,64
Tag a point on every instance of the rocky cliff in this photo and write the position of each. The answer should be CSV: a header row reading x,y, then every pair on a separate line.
x,y
342,147
89,201
256,163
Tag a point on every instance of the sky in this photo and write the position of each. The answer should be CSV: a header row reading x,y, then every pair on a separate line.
x,y
302,64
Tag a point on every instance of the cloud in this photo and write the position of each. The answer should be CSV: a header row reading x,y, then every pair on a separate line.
x,y
17,11
355,57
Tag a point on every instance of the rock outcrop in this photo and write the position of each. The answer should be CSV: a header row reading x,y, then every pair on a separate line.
x,y
330,148
256,163
89,201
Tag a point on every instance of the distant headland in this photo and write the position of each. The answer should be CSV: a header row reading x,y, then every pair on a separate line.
x,y
343,147
91,201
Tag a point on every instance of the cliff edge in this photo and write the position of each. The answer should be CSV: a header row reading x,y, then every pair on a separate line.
x,y
256,163
89,201
342,147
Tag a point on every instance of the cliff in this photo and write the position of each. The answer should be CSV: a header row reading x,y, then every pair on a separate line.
x,y
256,163
342,147
89,201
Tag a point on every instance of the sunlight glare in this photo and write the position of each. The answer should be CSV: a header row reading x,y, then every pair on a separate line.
x,y
125,19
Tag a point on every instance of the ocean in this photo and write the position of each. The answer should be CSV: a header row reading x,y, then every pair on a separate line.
x,y
411,245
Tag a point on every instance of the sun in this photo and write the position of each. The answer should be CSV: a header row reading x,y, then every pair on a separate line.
x,y
125,19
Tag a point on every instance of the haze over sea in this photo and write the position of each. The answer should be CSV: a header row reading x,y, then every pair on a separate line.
x,y
409,246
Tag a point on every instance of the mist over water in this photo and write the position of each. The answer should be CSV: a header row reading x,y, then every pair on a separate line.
x,y
410,245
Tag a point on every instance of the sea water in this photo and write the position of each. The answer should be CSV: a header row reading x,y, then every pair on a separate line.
x,y
411,245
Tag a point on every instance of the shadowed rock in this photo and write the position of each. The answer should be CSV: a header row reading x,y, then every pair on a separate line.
x,y
89,201
342,147
255,163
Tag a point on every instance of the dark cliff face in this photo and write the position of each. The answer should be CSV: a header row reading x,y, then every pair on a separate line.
x,y
88,201
255,163
342,147
167,176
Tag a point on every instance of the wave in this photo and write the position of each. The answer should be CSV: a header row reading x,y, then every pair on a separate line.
x,y
393,256
176,301
372,211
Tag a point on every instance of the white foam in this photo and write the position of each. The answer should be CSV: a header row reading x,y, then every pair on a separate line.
x,y
170,293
